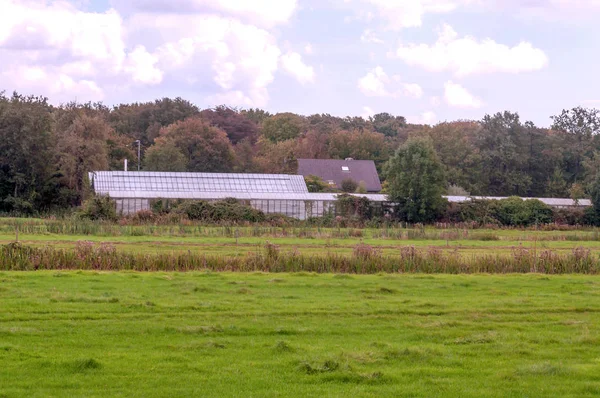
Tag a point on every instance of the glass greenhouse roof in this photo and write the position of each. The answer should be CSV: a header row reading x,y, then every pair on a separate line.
x,y
158,184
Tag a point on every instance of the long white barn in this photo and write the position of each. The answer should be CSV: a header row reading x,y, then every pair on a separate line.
x,y
272,193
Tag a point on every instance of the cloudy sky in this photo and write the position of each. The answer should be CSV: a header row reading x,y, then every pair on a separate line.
x,y
428,60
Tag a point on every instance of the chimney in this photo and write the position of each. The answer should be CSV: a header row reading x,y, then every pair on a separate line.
x,y
125,164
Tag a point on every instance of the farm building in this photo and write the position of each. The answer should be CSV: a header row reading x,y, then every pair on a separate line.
x,y
271,193
335,171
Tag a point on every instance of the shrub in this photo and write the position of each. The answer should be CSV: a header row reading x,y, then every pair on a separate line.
x,y
349,206
225,210
99,207
349,185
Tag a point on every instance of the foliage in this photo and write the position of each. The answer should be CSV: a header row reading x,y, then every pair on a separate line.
x,y
315,184
512,211
166,157
416,181
236,124
205,148
349,185
282,127
227,210
353,206
99,207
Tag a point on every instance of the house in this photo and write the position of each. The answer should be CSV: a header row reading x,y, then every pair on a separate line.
x,y
334,171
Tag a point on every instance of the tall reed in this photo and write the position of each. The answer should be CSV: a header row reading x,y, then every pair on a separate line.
x,y
364,260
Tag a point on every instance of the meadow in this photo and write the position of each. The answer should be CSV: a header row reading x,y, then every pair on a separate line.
x,y
131,334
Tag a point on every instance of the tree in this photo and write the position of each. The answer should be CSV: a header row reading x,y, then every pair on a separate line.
x,y
282,127
557,186
580,125
388,125
359,144
81,140
594,217
455,145
143,121
166,157
206,148
576,192
28,174
503,155
276,158
416,181
237,125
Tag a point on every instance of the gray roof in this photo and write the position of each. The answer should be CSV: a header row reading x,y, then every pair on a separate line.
x,y
159,184
336,171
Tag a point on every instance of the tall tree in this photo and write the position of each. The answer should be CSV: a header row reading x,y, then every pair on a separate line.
x,y
282,127
28,178
81,139
416,181
237,125
503,155
580,125
165,157
143,121
206,148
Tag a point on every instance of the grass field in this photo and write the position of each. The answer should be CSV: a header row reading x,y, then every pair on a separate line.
x,y
84,334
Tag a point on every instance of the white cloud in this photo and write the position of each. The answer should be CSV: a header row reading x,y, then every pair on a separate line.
x,y
458,96
264,13
468,55
141,66
308,49
369,36
435,101
377,83
367,112
398,14
292,63
56,49
427,117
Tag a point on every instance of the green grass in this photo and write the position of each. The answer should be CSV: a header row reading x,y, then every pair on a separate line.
x,y
85,334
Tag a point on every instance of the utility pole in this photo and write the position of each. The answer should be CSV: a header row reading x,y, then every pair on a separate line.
x,y
139,145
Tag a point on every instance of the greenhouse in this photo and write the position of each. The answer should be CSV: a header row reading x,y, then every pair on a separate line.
x,y
271,193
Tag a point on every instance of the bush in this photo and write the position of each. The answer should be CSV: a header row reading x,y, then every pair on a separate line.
x,y
512,211
349,185
353,206
99,207
226,210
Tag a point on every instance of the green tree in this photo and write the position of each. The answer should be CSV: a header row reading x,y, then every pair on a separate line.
x,y
556,186
416,181
166,157
282,127
504,155
580,125
206,148
29,180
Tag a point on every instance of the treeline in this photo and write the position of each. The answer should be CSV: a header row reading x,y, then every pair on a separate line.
x,y
46,151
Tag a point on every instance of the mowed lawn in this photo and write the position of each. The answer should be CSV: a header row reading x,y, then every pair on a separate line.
x,y
83,334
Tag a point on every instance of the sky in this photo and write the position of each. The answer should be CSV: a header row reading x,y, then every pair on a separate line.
x,y
427,60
